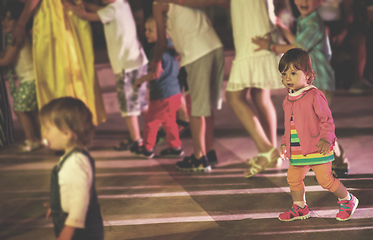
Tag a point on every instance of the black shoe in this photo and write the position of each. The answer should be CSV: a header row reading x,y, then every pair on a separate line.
x,y
191,164
161,136
143,153
213,159
172,153
135,146
124,145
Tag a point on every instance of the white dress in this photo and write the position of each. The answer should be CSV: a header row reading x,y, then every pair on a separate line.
x,y
251,18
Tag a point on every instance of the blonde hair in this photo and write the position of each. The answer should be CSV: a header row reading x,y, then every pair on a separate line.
x,y
72,114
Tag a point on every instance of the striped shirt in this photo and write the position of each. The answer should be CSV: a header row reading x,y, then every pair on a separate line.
x,y
296,156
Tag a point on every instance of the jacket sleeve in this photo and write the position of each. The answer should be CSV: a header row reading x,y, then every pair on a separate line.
x,y
324,114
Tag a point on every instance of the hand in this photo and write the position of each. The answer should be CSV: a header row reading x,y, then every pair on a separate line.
x,y
262,43
323,146
282,152
141,80
18,35
47,205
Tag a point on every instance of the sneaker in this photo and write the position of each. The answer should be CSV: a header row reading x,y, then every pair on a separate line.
x,y
123,145
295,213
213,159
135,146
172,153
143,153
347,208
30,146
191,164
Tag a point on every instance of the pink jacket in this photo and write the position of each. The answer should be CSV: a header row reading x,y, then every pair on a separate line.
x,y
313,121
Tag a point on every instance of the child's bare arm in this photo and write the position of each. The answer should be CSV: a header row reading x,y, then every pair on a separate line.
x,y
67,233
286,33
9,56
81,13
92,7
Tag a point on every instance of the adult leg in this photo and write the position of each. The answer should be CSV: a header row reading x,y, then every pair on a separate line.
x,y
244,112
266,112
209,132
198,130
132,123
34,116
27,126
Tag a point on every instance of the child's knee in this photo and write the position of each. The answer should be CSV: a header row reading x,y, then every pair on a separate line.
x,y
295,184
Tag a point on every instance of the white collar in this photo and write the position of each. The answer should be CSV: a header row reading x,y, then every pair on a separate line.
x,y
300,91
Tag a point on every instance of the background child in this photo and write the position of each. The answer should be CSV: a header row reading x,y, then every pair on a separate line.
x,y
165,100
74,205
202,58
309,137
24,96
311,36
127,59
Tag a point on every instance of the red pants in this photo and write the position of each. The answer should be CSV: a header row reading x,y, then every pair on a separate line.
x,y
162,112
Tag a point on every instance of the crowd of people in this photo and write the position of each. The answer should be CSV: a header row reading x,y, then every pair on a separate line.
x,y
58,90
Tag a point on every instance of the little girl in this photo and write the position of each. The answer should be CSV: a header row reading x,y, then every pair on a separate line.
x,y
309,137
24,97
74,205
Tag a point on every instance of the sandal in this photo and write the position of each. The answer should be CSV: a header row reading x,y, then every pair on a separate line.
x,y
256,168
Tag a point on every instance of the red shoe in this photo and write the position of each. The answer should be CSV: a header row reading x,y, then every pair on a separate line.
x,y
347,208
295,213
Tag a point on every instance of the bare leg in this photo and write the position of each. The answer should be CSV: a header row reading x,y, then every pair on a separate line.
x,y
198,129
237,100
133,127
341,192
182,113
298,196
266,112
27,126
34,115
209,121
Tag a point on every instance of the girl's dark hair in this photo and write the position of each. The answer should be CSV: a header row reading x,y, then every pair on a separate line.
x,y
300,60
15,8
72,114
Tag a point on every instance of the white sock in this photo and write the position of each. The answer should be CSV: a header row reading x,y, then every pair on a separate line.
x,y
301,204
348,197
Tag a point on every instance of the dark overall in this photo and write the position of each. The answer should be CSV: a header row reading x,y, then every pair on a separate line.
x,y
94,229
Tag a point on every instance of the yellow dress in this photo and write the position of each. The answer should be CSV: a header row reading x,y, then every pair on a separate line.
x,y
63,58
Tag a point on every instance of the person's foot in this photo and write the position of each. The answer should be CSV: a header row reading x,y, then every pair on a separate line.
x,y
347,208
261,161
191,164
172,153
295,213
30,146
123,145
144,153
360,87
213,159
135,146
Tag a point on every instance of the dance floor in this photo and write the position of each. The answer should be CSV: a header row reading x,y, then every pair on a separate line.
x,y
150,199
